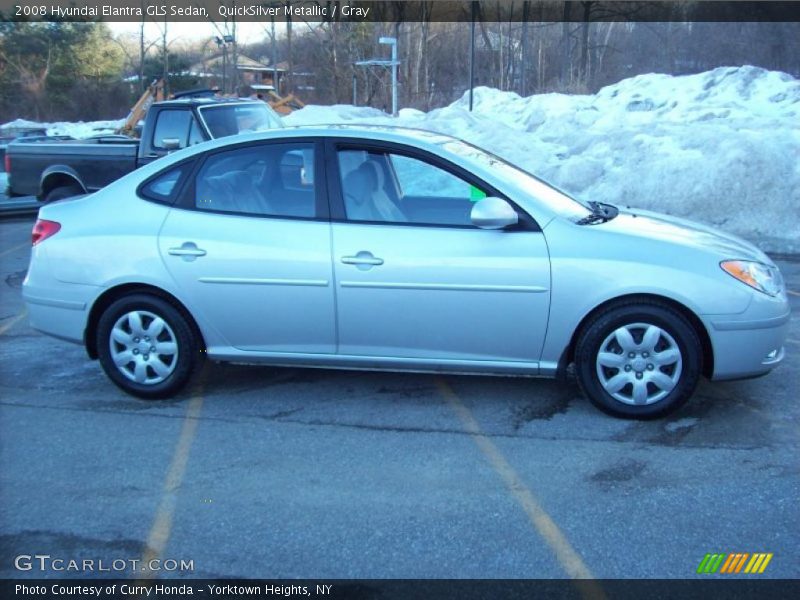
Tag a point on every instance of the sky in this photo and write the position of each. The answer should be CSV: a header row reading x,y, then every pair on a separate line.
x,y
246,32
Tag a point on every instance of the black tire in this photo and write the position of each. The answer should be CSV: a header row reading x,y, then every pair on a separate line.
x,y
61,192
601,327
187,360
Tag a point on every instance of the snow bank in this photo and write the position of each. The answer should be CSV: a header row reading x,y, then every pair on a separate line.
x,y
78,130
721,147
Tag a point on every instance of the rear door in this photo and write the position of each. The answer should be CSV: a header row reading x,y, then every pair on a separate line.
x,y
249,245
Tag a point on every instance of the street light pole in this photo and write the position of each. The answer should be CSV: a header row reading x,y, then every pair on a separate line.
x,y
393,43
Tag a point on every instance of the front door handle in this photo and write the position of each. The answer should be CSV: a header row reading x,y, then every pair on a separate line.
x,y
363,260
188,251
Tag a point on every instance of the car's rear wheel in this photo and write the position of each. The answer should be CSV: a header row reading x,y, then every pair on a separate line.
x,y
638,360
147,347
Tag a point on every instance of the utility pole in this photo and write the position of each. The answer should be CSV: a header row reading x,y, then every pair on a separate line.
x,y
141,48
524,51
235,85
274,60
472,55
166,59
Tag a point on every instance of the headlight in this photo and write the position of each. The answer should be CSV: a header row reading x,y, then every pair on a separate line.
x,y
757,275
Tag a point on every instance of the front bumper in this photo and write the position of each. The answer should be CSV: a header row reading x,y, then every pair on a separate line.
x,y
751,343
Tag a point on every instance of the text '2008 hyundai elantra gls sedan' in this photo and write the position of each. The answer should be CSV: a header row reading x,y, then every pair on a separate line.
x,y
392,249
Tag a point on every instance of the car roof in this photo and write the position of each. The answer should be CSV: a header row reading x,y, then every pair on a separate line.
x,y
383,132
420,138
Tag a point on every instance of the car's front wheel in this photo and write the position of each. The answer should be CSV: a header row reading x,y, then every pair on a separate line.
x,y
147,347
638,360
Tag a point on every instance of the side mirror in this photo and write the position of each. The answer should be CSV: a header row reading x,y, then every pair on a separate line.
x,y
171,143
493,213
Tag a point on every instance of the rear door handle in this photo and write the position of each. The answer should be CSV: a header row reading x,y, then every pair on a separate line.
x,y
363,260
188,251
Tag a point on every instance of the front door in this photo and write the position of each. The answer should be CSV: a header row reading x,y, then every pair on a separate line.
x,y
415,279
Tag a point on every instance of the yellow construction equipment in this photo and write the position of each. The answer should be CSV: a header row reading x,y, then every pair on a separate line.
x,y
285,105
154,93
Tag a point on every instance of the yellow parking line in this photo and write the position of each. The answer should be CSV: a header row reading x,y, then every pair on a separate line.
x,y
566,555
13,321
15,248
162,524
793,293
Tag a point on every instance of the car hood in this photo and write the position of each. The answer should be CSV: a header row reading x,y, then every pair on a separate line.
x,y
683,232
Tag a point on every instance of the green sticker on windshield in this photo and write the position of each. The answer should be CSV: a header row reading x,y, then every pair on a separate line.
x,y
476,194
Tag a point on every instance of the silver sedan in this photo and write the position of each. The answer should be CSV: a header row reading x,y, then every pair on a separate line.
x,y
390,249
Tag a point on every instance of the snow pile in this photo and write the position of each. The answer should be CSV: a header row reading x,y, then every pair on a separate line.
x,y
721,147
78,130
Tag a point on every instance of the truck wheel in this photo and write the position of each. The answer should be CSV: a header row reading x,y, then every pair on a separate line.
x,y
61,192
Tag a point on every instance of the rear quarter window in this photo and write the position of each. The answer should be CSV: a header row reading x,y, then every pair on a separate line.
x,y
163,187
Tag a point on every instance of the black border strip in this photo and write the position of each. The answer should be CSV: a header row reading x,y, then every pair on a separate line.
x,y
377,11
730,588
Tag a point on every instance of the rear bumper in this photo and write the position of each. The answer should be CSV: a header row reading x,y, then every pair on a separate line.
x,y
54,307
64,319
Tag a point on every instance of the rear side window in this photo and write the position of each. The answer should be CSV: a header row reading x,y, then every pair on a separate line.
x,y
162,188
274,180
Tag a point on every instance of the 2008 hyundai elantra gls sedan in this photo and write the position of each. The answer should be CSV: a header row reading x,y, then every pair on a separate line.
x,y
394,249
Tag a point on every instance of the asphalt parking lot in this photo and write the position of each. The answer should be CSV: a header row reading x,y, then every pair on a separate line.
x,y
284,473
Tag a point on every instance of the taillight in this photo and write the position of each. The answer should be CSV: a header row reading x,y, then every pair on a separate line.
x,y
44,229
7,163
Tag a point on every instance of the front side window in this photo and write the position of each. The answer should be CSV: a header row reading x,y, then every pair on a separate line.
x,y
545,193
268,180
395,188
172,129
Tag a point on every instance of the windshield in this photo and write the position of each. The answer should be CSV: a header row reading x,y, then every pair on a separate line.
x,y
224,120
554,198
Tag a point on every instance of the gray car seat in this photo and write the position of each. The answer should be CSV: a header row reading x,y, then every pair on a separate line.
x,y
233,191
365,196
